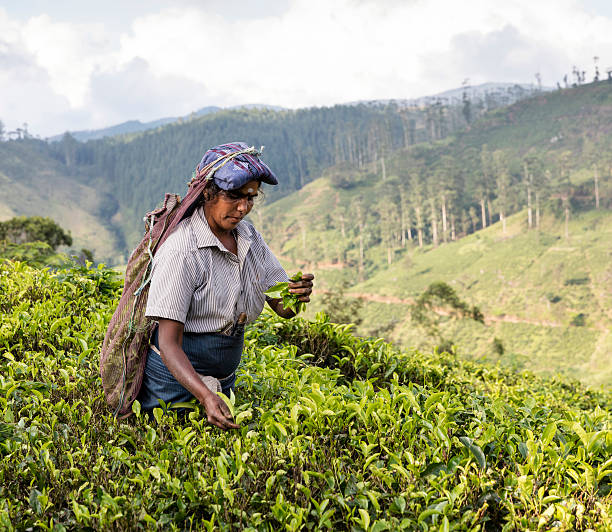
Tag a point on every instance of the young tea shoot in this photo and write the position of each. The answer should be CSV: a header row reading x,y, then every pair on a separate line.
x,y
281,291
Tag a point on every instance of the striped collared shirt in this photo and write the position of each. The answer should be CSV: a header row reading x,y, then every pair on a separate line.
x,y
197,281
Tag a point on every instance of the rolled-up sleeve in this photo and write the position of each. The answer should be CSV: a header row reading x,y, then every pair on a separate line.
x,y
174,280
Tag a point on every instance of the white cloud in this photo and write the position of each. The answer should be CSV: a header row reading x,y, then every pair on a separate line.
x,y
134,90
297,53
68,52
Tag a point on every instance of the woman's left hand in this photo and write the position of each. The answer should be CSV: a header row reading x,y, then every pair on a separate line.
x,y
303,287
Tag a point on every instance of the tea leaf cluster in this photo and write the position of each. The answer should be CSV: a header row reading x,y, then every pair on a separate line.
x,y
337,433
290,300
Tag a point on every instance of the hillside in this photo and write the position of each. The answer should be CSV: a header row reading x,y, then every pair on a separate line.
x,y
513,212
136,169
488,95
545,296
136,126
549,153
33,184
364,437
496,196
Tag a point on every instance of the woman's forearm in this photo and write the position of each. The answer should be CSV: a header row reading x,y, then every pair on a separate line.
x,y
181,368
277,306
175,359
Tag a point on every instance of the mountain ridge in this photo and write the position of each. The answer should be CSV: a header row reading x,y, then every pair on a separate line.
x,y
477,92
136,126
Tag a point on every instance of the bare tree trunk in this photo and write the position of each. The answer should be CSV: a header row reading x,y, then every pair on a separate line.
x,y
342,230
387,234
444,222
529,213
490,209
434,222
483,213
537,213
419,226
301,172
337,149
452,224
596,189
566,205
384,170
403,223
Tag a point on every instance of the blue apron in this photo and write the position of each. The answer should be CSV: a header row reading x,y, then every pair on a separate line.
x,y
214,354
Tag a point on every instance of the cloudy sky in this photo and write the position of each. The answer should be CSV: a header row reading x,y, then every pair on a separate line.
x,y
72,65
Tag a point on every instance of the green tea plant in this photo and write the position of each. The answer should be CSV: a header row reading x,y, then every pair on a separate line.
x,y
337,433
281,291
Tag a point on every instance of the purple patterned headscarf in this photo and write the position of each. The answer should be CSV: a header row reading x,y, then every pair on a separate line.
x,y
234,171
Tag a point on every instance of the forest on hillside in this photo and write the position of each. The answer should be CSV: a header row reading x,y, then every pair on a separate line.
x,y
429,174
132,172
549,154
513,212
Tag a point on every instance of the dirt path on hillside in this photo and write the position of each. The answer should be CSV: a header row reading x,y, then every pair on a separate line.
x,y
377,298
488,319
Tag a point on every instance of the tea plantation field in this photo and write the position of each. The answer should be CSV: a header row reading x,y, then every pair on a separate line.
x,y
338,433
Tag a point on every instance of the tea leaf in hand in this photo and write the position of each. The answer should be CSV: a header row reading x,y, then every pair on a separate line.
x,y
278,290
281,291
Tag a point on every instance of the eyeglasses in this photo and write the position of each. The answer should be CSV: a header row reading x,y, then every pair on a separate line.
x,y
234,196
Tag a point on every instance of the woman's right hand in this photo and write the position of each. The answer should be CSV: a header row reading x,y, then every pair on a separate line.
x,y
218,413
175,359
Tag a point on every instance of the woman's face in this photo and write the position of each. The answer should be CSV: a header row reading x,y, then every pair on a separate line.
x,y
225,211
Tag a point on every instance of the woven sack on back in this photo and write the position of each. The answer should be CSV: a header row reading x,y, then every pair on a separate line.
x,y
124,351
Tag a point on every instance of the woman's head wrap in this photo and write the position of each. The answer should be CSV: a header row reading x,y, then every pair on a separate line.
x,y
229,166
232,165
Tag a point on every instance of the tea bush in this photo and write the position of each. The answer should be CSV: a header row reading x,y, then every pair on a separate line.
x,y
337,432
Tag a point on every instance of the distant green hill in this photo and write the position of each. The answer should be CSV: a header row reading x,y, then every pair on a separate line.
x,y
131,173
545,296
544,165
32,183
389,199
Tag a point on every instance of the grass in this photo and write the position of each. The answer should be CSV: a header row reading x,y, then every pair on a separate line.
x,y
538,279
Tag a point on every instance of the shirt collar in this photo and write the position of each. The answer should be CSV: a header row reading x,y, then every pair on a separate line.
x,y
206,238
